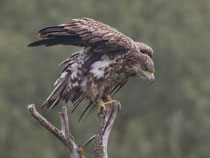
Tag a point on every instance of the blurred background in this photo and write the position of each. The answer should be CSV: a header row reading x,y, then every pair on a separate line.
x,y
170,118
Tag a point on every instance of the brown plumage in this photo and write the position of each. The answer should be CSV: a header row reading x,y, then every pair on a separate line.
x,y
102,67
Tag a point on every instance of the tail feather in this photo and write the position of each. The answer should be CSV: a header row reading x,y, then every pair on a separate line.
x,y
83,113
76,104
54,97
90,110
55,103
66,87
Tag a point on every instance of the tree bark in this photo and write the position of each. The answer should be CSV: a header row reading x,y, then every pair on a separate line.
x,y
65,136
106,122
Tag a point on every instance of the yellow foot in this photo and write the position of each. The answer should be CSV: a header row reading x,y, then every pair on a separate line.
x,y
109,102
101,107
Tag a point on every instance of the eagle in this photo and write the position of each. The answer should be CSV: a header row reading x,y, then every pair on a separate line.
x,y
107,60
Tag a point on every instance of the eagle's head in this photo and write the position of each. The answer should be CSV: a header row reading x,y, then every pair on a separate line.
x,y
145,49
142,66
147,69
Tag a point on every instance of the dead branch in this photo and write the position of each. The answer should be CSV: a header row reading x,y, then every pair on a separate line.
x,y
64,135
50,127
106,122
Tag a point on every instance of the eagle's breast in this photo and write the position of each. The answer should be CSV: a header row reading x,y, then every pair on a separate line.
x,y
99,68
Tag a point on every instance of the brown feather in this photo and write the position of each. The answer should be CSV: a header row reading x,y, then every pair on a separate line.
x,y
84,32
102,68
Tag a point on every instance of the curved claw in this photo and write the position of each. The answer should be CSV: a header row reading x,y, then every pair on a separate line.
x,y
101,107
109,102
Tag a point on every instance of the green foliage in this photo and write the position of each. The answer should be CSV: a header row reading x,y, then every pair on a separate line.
x,y
167,119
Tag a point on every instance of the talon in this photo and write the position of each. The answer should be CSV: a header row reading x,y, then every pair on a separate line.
x,y
110,100
101,107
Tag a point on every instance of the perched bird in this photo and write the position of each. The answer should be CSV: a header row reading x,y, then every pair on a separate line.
x,y
102,67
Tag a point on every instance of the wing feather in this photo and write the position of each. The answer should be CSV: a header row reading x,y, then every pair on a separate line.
x,y
84,32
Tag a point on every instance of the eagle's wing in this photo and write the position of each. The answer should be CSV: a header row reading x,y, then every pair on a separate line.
x,y
85,32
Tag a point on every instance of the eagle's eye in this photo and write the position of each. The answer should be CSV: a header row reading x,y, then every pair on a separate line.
x,y
131,61
143,51
146,69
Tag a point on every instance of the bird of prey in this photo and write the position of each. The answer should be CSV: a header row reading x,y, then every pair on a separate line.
x,y
105,63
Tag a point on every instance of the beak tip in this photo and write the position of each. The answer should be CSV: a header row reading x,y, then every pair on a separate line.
x,y
152,79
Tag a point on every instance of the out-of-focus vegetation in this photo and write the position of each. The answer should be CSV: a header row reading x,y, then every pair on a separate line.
x,y
170,118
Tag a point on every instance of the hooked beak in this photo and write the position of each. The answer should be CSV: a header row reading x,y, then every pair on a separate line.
x,y
151,77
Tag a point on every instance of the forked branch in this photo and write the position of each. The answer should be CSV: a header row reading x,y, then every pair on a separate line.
x,y
65,136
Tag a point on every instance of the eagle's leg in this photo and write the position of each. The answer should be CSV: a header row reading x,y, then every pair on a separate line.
x,y
109,99
102,106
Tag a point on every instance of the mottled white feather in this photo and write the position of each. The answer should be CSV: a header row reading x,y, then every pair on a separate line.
x,y
61,77
83,84
98,68
75,84
74,69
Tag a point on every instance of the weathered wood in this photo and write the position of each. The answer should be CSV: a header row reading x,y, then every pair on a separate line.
x,y
106,122
43,121
63,135
71,145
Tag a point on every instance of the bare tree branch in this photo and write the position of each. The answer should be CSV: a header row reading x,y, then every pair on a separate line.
x,y
71,145
84,146
50,127
64,135
106,122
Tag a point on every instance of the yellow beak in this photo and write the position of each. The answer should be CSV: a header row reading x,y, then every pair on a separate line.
x,y
150,76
